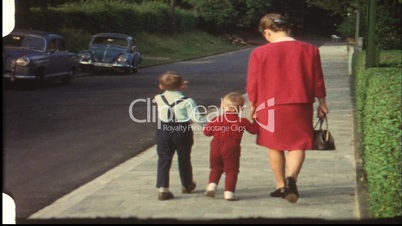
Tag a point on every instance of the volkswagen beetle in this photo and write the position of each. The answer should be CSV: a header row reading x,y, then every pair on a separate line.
x,y
37,56
111,51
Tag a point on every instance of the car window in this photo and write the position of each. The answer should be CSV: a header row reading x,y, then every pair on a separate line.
x,y
61,44
52,45
33,43
121,42
110,41
13,40
24,42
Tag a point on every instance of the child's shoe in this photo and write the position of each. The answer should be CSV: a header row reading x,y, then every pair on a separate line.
x,y
210,192
188,189
230,196
165,195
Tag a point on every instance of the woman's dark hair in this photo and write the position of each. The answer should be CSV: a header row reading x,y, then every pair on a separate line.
x,y
275,22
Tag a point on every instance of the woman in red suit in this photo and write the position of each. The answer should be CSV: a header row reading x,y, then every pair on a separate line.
x,y
284,78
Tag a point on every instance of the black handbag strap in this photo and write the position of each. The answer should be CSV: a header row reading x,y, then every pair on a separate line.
x,y
321,121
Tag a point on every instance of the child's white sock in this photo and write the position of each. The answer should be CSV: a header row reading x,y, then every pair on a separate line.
x,y
162,189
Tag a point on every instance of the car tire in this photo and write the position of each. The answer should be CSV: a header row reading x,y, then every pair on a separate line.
x,y
128,71
131,70
82,68
69,79
39,79
85,68
135,68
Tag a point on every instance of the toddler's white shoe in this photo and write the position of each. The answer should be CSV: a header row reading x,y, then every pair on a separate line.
x,y
230,196
210,192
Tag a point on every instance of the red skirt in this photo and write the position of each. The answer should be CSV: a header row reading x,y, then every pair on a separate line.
x,y
286,127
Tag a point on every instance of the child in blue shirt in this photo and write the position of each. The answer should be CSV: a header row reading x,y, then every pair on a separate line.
x,y
174,134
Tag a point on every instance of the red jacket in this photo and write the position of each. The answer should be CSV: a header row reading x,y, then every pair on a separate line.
x,y
288,71
230,126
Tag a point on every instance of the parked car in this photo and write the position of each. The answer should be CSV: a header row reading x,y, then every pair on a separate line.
x,y
111,51
37,56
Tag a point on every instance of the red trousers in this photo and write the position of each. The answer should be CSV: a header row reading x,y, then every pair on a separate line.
x,y
224,158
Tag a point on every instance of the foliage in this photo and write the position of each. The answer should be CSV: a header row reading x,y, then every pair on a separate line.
x,y
388,24
76,39
378,100
96,16
391,58
341,7
227,14
359,87
388,19
347,27
219,17
158,49
382,138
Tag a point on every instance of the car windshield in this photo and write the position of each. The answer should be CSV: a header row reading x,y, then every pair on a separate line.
x,y
28,42
110,41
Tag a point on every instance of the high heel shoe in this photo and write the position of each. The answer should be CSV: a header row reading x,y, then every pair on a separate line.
x,y
291,194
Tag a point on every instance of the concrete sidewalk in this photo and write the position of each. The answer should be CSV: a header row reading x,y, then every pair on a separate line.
x,y
327,182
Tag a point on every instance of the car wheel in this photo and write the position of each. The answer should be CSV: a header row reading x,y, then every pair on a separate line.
x,y
128,70
134,68
82,68
7,83
39,79
69,78
131,70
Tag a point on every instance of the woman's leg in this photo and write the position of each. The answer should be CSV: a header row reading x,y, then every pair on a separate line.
x,y
277,162
295,160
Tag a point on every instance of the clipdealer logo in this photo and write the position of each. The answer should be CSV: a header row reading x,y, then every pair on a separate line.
x,y
270,115
151,113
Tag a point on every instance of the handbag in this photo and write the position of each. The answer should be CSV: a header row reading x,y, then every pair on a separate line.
x,y
323,139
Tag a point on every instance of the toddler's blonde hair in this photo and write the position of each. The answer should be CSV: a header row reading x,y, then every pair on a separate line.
x,y
233,101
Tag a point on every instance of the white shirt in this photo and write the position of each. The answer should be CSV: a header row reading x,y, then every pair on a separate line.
x,y
185,111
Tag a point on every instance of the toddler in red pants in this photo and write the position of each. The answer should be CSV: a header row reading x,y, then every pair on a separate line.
x,y
227,130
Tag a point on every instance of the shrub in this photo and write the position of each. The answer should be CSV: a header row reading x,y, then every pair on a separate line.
x,y
382,141
359,86
378,100
95,16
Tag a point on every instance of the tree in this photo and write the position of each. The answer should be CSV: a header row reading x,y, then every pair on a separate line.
x,y
172,6
227,15
22,14
388,21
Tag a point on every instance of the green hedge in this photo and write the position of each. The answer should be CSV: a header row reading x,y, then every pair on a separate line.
x,y
113,16
378,101
359,84
382,141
